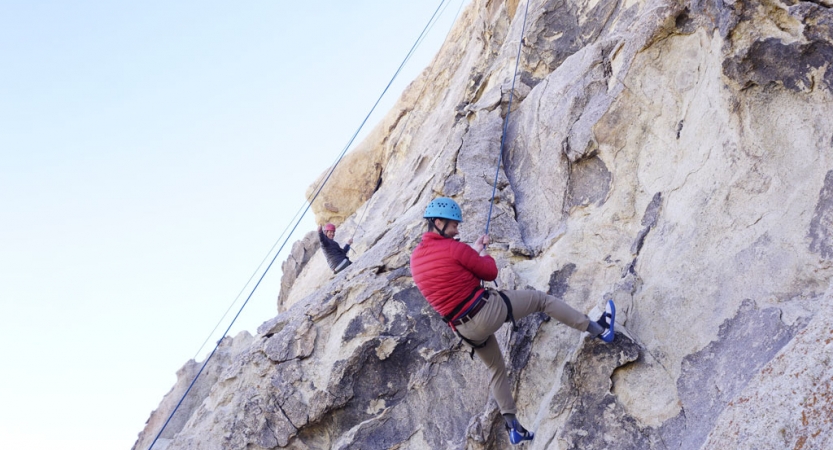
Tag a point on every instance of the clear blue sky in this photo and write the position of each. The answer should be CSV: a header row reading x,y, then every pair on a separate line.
x,y
151,153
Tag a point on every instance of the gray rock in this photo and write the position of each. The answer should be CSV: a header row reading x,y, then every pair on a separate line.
x,y
673,156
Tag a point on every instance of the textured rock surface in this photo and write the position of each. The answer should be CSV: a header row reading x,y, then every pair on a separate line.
x,y
677,156
789,404
228,349
301,254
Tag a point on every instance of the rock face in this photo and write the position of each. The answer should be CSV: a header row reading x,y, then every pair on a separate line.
x,y
300,255
677,155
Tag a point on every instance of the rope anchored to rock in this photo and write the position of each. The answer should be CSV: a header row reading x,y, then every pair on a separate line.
x,y
506,119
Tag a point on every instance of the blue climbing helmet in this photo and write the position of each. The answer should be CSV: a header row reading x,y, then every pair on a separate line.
x,y
443,208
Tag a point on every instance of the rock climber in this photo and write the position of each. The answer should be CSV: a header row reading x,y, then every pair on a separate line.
x,y
449,274
336,255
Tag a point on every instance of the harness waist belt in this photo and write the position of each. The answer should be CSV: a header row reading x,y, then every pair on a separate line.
x,y
478,305
447,318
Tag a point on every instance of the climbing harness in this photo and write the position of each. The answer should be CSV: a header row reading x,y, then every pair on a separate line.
x,y
305,210
509,316
506,119
451,315
474,309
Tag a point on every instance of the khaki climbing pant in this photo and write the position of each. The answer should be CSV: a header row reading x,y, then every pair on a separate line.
x,y
490,318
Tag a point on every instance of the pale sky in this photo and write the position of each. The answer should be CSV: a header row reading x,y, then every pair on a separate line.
x,y
151,154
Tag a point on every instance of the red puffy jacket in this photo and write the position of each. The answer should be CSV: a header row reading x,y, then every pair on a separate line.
x,y
447,271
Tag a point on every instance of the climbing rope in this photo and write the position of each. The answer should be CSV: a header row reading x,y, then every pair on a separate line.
x,y
305,210
506,119
252,277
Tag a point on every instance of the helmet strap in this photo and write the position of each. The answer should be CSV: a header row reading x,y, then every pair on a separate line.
x,y
441,232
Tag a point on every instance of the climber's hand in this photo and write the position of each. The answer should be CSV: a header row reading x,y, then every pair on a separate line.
x,y
481,243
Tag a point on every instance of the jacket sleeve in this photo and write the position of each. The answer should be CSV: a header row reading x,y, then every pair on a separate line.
x,y
483,267
346,249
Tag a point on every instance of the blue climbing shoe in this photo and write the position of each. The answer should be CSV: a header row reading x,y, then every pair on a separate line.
x,y
517,433
607,321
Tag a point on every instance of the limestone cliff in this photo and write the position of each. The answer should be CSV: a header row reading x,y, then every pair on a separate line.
x,y
677,155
